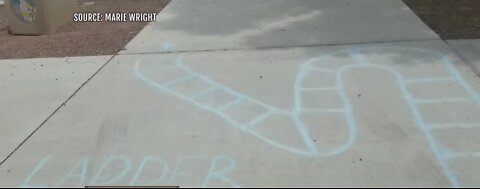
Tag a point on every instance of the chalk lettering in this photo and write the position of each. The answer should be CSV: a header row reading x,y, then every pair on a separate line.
x,y
104,171
149,160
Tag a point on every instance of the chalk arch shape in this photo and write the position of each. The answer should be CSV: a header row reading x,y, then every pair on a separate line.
x,y
323,65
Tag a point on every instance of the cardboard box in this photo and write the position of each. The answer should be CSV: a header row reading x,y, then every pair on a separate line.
x,y
38,17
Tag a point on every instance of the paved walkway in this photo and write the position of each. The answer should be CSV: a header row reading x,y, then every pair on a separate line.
x,y
227,93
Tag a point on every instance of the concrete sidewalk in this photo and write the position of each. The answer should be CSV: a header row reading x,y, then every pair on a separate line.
x,y
469,50
217,25
227,93
32,89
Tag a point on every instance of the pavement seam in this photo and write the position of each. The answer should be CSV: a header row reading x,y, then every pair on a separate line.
x,y
56,110
277,47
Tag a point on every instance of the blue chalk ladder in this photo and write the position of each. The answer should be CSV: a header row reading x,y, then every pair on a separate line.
x,y
211,87
313,66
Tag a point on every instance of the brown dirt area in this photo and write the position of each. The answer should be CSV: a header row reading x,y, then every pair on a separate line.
x,y
450,19
80,38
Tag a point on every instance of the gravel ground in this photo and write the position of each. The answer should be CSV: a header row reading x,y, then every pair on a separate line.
x,y
79,39
450,19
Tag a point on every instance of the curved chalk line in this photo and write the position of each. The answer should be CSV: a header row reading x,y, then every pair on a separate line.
x,y
304,71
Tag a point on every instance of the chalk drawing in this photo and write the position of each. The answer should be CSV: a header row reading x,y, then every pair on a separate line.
x,y
427,128
149,160
117,169
237,98
315,66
